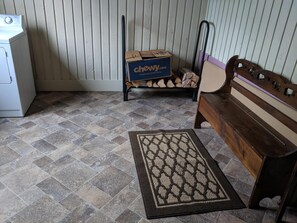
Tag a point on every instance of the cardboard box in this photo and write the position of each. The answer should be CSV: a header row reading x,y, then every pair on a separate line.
x,y
146,65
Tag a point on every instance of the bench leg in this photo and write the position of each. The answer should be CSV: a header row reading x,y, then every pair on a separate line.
x,y
272,180
198,120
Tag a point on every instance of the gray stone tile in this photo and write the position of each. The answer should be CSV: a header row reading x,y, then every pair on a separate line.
x,y
32,194
61,138
84,139
2,186
70,126
99,217
32,134
23,178
248,215
118,204
93,195
43,210
123,165
53,189
80,214
21,147
10,204
74,175
111,180
43,161
59,164
99,146
27,159
43,146
7,155
236,170
109,122
128,216
119,140
104,161
225,217
27,125
82,120
71,202
8,128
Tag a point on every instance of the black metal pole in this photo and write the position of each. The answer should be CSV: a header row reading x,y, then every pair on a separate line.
x,y
125,93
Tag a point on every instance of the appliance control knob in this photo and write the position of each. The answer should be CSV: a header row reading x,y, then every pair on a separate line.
x,y
8,20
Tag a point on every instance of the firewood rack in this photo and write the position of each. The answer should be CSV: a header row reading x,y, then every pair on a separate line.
x,y
200,61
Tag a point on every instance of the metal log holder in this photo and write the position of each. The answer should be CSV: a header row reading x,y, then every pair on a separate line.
x,y
200,61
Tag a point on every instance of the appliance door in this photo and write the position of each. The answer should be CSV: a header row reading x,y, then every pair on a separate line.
x,y
4,71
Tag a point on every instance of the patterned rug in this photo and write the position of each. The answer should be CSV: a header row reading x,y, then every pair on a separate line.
x,y
177,175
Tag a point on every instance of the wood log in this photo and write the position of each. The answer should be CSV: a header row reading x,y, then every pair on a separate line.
x,y
161,83
149,83
177,80
188,77
155,84
178,85
129,84
170,84
136,83
193,84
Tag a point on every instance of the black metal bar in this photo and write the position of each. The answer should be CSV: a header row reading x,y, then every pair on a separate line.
x,y
200,63
125,92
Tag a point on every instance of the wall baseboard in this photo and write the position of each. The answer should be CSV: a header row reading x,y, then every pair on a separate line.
x,y
78,85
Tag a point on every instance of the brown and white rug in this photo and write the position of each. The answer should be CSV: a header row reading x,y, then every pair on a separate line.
x,y
177,175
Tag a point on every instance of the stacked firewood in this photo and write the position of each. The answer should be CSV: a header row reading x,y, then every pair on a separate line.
x,y
186,79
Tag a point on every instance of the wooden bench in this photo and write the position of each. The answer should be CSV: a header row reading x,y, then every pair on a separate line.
x,y
255,112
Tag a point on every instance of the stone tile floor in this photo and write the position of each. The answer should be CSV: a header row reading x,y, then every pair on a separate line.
x,y
69,159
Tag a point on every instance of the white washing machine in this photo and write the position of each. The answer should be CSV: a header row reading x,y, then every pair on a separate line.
x,y
17,89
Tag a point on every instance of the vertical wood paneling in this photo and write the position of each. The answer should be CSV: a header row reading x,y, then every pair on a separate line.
x,y
79,41
263,31
71,39
2,7
155,24
88,35
147,24
163,24
105,39
122,10
113,20
61,38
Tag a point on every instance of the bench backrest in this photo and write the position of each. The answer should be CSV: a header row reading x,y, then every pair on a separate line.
x,y
270,96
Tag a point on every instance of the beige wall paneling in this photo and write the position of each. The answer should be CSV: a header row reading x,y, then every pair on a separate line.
x,y
287,38
52,38
193,31
76,45
263,31
70,39
96,26
278,34
88,36
122,10
113,30
105,39
2,9
163,24
185,33
138,21
147,24
130,23
180,15
156,7
79,39
61,39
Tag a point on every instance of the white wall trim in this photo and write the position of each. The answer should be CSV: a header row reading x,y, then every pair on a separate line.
x,y
78,85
